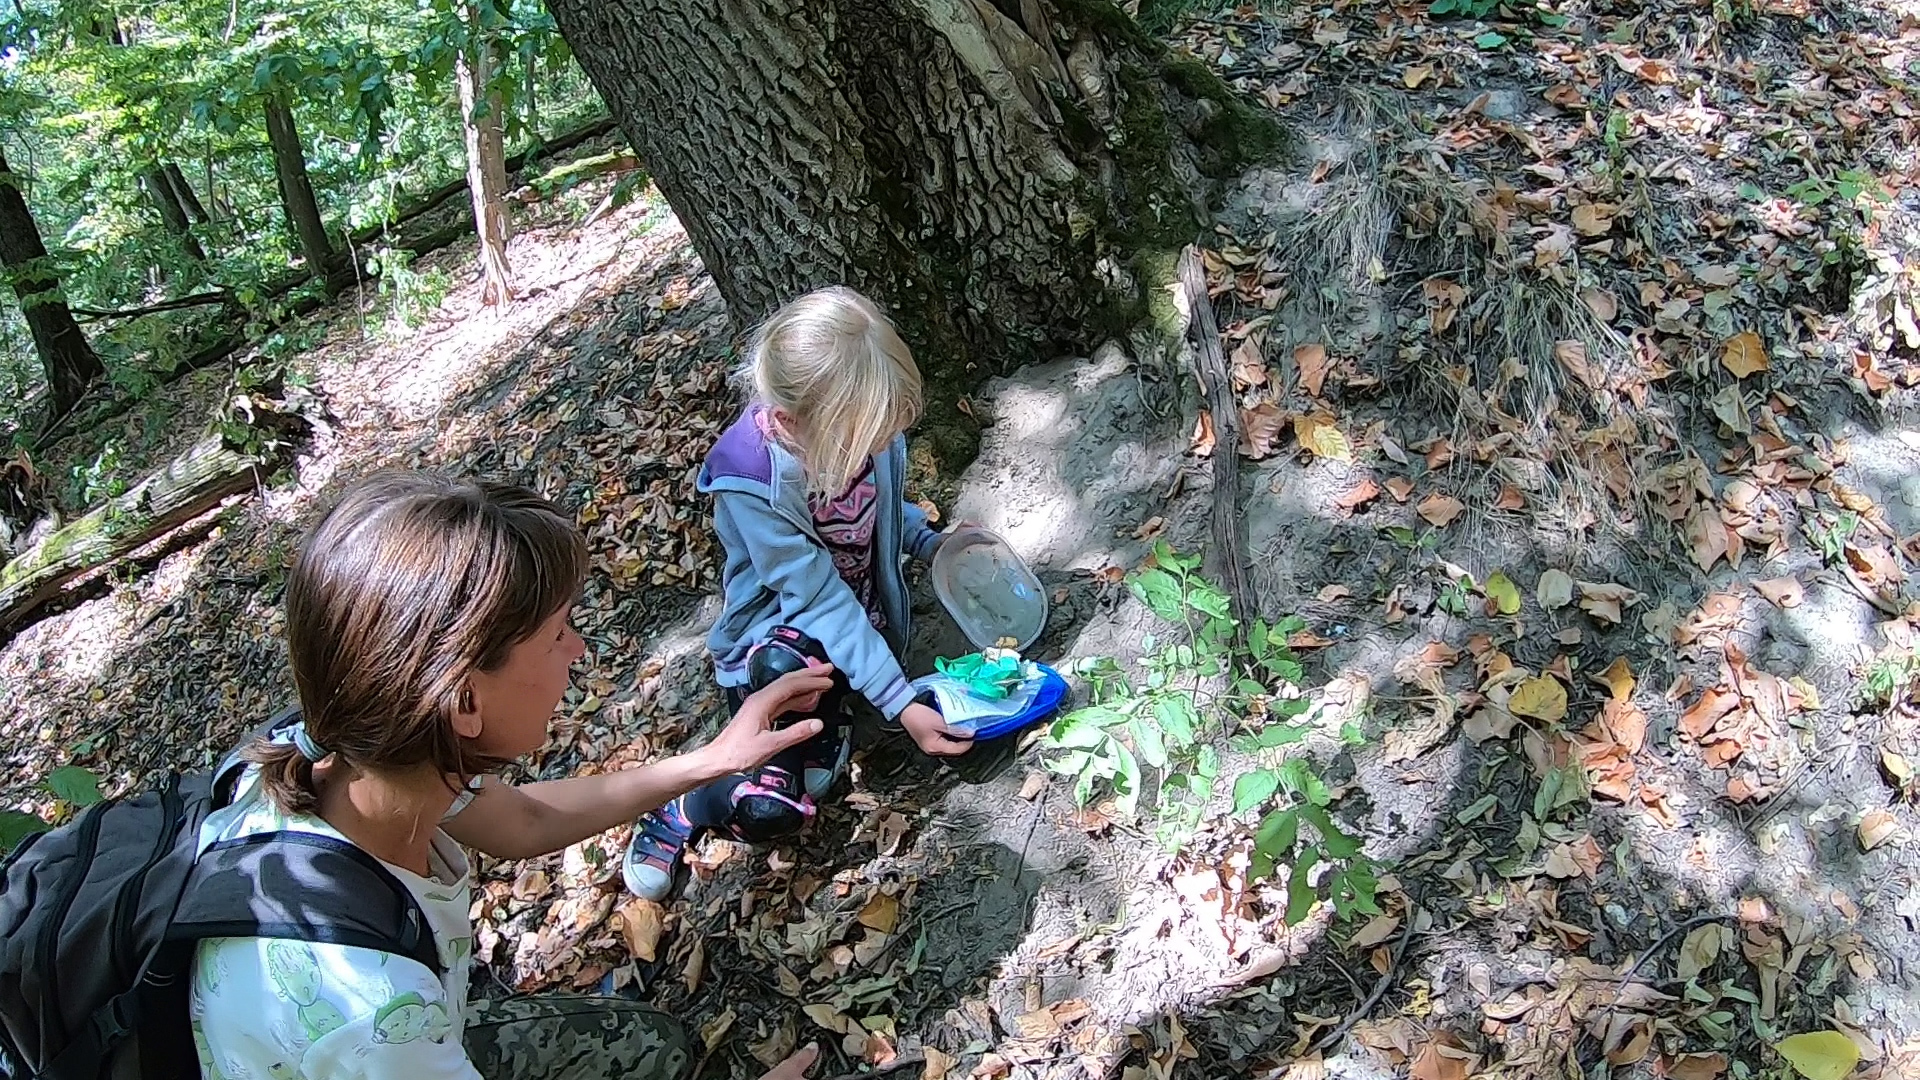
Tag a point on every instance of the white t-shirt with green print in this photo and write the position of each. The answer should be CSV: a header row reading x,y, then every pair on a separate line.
x,y
268,1009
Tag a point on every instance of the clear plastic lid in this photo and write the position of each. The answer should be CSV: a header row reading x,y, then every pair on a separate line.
x,y
988,590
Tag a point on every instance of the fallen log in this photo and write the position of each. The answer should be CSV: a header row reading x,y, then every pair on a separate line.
x,y
1210,362
185,488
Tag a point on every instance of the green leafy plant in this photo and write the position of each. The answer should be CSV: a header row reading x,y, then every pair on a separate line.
x,y
1197,689
74,788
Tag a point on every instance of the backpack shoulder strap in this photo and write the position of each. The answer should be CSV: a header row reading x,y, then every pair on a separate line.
x,y
306,887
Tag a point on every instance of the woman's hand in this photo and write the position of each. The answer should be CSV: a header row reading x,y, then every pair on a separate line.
x,y
930,731
749,740
795,1067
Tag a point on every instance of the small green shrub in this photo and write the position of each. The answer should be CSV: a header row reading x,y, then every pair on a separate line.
x,y
1199,689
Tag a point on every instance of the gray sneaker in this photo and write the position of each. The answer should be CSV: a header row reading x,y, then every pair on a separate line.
x,y
653,855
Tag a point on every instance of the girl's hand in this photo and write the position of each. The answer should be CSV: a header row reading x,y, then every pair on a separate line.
x,y
795,1067
929,729
749,740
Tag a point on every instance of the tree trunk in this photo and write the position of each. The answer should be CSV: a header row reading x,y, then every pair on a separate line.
x,y
187,487
65,353
296,191
480,115
1012,179
183,191
158,184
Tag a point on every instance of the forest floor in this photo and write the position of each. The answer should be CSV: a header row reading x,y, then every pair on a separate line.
x,y
1578,364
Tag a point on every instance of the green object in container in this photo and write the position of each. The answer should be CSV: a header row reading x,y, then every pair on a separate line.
x,y
990,677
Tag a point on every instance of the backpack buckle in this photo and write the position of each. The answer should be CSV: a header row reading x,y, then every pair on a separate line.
x,y
116,1019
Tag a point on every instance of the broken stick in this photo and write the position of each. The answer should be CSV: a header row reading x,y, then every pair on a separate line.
x,y
1210,365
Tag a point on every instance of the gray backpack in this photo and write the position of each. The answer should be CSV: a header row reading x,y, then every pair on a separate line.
x,y
99,919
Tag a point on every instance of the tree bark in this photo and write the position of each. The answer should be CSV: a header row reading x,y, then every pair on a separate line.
x,y
480,115
296,191
1012,179
66,355
183,191
158,184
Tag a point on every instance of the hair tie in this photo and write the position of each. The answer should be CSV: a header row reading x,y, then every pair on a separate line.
x,y
304,743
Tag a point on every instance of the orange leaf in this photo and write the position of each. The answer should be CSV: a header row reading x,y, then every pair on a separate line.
x,y
1400,488
1740,789
1203,438
1510,499
1706,714
1312,361
1363,493
1591,220
1745,354
1439,454
1440,510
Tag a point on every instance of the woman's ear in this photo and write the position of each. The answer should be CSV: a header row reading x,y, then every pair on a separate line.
x,y
466,715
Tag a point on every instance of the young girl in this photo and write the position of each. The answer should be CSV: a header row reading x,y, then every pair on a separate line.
x,y
808,498
427,626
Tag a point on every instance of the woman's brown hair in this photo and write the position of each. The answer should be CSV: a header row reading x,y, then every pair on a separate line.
x,y
406,587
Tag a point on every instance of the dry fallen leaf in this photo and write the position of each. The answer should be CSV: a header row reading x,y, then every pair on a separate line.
x,y
1249,367
1781,591
1378,929
1260,430
1877,826
1440,510
1604,600
1363,493
1444,1057
1202,443
1697,1067
1318,434
1618,679
1572,355
881,912
1541,697
641,921
1744,354
1554,590
1415,75
1311,360
1400,488
1591,220
1601,302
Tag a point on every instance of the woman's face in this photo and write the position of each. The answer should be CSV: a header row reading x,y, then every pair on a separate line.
x,y
516,700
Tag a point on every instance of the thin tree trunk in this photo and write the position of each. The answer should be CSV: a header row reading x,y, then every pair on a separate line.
x,y
1010,186
480,114
173,212
66,355
183,191
296,191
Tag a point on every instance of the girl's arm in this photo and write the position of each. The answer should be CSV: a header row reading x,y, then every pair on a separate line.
x,y
813,598
919,538
511,822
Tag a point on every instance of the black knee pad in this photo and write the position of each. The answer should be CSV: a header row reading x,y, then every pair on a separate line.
x,y
760,818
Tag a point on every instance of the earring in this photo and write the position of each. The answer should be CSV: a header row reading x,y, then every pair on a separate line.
x,y
466,699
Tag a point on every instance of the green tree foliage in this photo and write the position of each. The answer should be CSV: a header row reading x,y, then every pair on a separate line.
x,y
138,130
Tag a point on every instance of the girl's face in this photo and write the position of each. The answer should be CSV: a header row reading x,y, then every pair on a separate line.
x,y
515,701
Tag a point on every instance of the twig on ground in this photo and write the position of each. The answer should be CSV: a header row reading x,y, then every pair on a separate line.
x,y
1379,988
904,1061
1662,941
1211,364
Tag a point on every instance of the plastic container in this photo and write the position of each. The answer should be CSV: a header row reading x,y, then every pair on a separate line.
x,y
988,590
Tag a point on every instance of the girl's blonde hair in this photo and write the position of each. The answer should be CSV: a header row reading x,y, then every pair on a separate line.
x,y
834,365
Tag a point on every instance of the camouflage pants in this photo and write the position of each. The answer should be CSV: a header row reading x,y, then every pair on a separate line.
x,y
566,1037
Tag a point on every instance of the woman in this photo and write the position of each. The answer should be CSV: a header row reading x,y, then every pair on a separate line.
x,y
427,627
